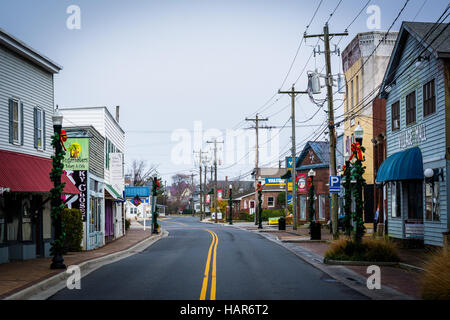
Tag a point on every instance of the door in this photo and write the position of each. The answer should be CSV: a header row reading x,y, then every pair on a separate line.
x,y
109,226
369,209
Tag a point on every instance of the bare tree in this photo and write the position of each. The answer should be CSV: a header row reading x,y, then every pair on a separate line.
x,y
139,174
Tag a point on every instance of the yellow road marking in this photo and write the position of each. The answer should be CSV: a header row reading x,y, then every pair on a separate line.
x,y
214,242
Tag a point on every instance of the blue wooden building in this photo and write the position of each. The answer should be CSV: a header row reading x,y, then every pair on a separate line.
x,y
416,86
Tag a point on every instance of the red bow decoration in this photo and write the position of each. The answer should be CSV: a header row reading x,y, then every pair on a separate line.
x,y
344,167
258,188
157,183
63,138
356,148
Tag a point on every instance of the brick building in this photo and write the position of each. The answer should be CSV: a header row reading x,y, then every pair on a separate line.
x,y
316,156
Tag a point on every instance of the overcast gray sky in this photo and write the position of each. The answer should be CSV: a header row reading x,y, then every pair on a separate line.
x,y
171,63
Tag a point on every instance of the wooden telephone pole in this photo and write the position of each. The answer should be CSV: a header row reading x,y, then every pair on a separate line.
x,y
256,120
329,82
215,142
293,94
200,162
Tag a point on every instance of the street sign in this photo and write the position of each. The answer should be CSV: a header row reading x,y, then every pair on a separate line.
x,y
335,184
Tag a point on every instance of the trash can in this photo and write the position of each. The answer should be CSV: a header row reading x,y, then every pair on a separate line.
x,y
282,223
315,231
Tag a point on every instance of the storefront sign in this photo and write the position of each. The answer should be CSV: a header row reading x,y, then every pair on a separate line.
x,y
412,136
274,182
79,178
116,171
77,154
413,230
301,180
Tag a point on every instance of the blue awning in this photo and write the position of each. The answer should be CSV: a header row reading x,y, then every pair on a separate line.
x,y
405,165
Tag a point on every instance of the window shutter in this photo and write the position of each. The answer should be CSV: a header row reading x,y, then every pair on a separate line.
x,y
21,123
11,138
35,121
44,136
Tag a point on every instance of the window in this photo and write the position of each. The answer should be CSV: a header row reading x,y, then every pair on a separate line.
x,y
26,222
15,121
357,90
322,200
302,207
395,113
346,97
429,99
411,108
415,197
351,105
396,199
432,211
270,201
39,124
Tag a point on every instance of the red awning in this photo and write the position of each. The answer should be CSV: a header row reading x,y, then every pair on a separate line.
x,y
26,173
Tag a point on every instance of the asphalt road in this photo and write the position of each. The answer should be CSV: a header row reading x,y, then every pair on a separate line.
x,y
207,261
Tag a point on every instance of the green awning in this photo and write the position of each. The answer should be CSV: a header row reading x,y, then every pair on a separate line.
x,y
112,192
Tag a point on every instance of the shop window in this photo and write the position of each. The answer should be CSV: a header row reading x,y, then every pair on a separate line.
x,y
415,196
395,114
432,210
429,99
26,222
303,207
95,218
245,204
411,108
322,200
396,199
2,220
270,201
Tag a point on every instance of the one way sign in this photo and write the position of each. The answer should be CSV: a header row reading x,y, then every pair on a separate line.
x,y
335,184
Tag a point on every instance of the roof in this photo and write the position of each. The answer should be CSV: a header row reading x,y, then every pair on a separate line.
x,y
436,42
131,192
32,55
26,173
320,148
97,107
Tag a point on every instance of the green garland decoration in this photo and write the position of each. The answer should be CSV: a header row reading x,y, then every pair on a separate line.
x,y
357,173
347,221
56,211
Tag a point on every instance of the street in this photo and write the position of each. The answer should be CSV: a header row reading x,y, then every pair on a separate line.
x,y
190,264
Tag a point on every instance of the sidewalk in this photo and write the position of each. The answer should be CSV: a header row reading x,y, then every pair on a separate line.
x,y
18,275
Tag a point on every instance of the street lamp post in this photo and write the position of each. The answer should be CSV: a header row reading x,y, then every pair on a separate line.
x,y
231,204
56,192
314,227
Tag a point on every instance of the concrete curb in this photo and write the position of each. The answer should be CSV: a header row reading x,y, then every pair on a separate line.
x,y
50,286
303,241
410,267
359,263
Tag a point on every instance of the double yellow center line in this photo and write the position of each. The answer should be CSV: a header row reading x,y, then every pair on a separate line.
x,y
214,242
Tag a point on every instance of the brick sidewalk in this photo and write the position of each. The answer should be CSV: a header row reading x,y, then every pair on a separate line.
x,y
18,275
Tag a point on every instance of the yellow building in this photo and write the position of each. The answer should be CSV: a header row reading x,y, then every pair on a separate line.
x,y
364,73
364,70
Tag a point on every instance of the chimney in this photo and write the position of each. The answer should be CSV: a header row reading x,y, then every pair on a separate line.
x,y
117,113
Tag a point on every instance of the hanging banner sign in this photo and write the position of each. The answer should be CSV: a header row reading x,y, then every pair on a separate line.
x,y
79,179
301,182
77,154
219,195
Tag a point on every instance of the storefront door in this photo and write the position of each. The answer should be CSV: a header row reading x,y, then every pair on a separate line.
x,y
414,227
109,226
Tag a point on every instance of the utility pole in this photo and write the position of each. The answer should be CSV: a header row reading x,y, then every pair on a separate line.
x,y
256,120
329,82
293,94
193,191
200,162
215,174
